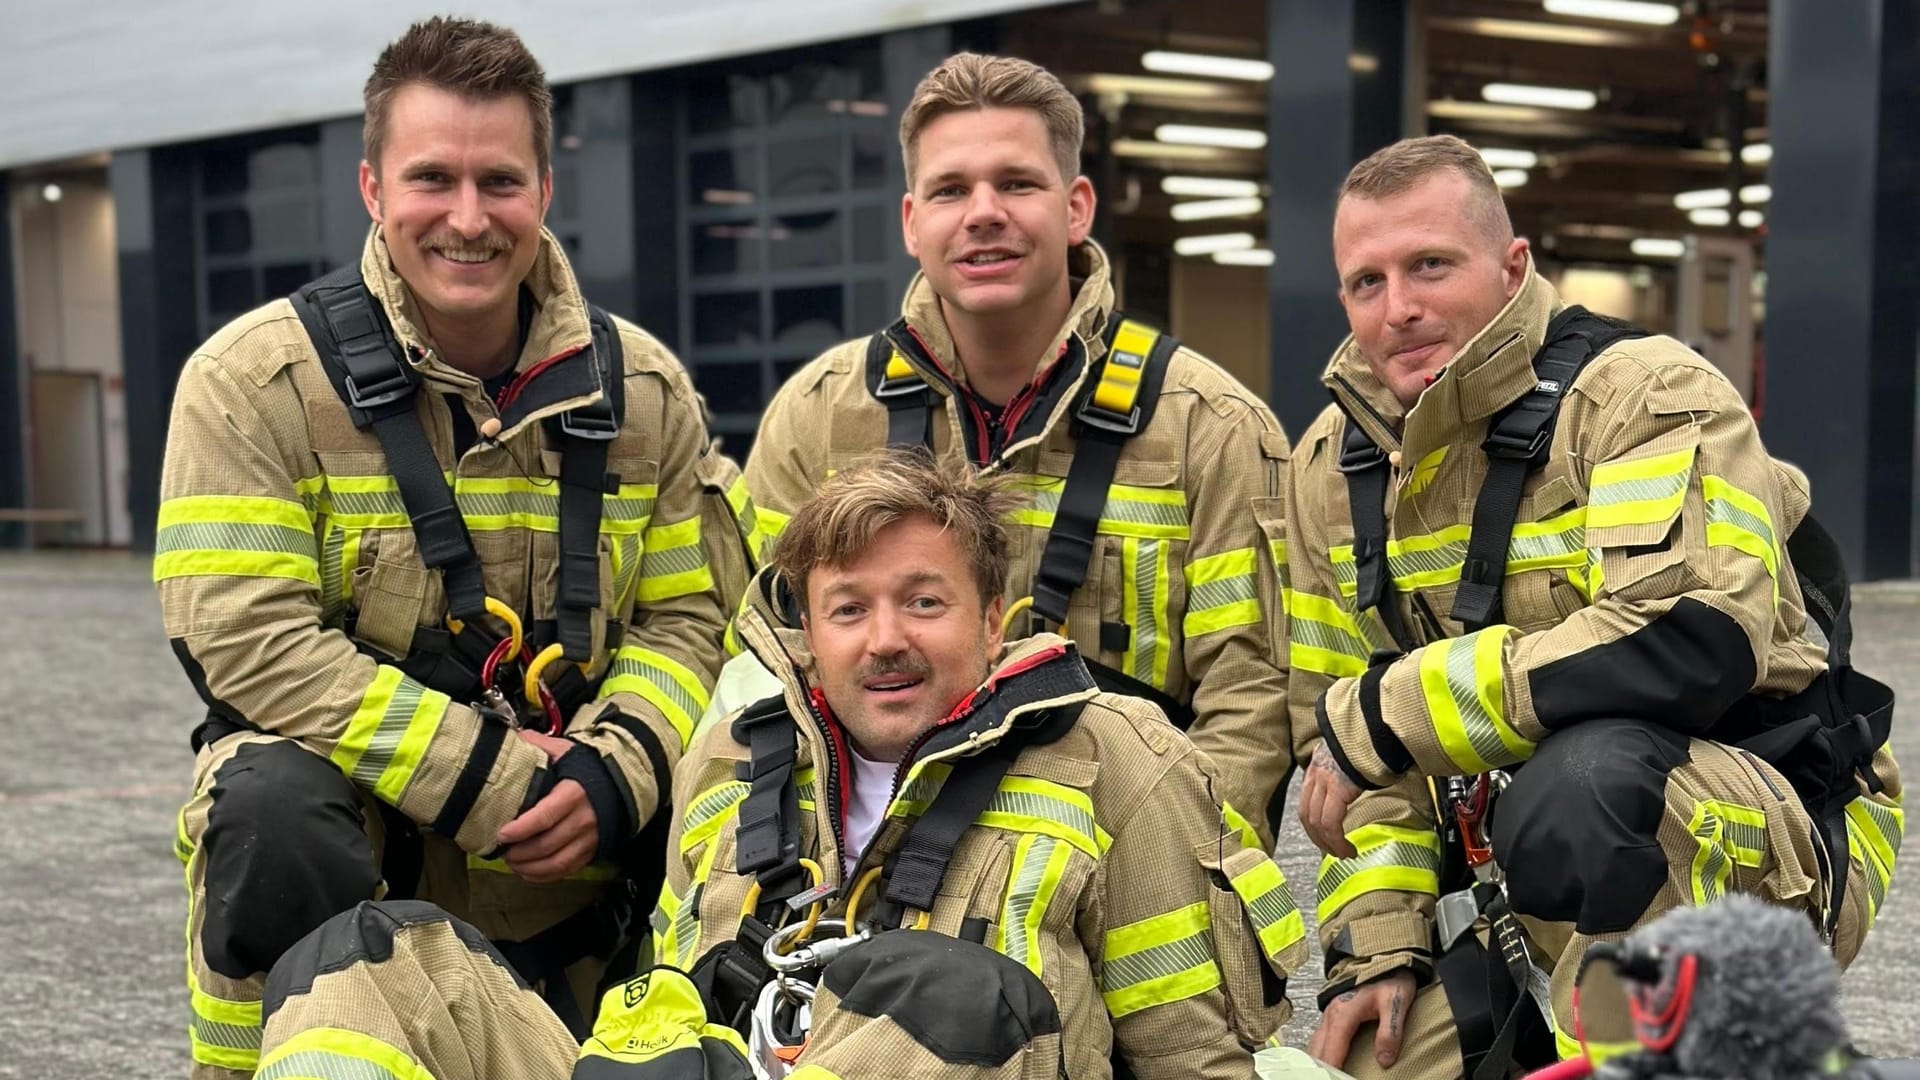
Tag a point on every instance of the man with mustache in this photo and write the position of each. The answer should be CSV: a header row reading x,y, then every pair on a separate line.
x,y
1050,887
1155,477
1531,539
446,553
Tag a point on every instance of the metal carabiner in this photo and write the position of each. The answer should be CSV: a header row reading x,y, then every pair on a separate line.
x,y
813,954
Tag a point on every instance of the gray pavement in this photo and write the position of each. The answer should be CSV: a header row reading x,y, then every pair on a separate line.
x,y
94,715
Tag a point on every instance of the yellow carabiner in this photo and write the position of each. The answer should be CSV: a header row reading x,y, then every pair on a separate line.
x,y
853,899
499,610
547,656
1013,612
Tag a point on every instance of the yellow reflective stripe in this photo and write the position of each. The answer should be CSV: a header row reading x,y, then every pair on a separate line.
x,y
1423,473
1740,521
1237,824
770,523
225,1034
918,789
1324,637
1387,857
709,813
1711,868
235,536
1874,832
662,682
1599,1053
1277,921
388,734
804,787
1743,831
1641,491
1157,961
1464,686
1143,602
1038,864
745,518
1028,804
1143,512
662,921
337,1054
364,502
335,580
1433,559
1220,593
674,562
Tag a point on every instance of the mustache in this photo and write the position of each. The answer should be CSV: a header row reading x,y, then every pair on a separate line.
x,y
452,241
911,666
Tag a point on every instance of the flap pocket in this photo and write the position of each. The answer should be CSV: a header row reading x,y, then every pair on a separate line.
x,y
1259,936
1634,501
391,596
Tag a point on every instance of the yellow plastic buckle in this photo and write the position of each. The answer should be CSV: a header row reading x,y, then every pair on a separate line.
x,y
1115,403
900,378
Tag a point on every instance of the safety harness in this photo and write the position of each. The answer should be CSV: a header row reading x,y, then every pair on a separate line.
x,y
732,975
1116,403
1819,739
370,371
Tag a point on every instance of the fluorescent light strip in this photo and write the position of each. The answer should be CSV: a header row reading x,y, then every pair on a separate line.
x,y
1147,148
1701,200
1214,67
1712,217
1212,187
1752,219
1545,97
1756,193
1211,244
1244,257
1215,208
1197,135
1757,153
1510,178
1501,158
1658,247
1630,11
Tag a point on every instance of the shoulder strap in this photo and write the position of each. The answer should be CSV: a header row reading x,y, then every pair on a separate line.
x,y
583,433
1516,444
1118,402
894,383
363,360
767,840
1365,466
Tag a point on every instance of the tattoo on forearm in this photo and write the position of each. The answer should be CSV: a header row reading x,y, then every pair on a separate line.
x,y
1394,1012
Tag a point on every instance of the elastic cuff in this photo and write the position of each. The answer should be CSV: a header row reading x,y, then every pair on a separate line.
x,y
584,766
1333,744
1386,745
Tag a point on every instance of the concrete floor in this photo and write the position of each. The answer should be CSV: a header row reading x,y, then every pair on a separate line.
x,y
95,717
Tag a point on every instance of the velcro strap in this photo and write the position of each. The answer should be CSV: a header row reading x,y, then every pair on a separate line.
x,y
921,862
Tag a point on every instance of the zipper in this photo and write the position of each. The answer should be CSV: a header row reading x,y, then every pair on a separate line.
x,y
831,788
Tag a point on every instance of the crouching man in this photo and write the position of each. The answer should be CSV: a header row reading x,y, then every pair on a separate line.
x,y
1061,848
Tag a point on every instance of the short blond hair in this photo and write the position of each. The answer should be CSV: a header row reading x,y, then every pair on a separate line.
x,y
1404,165
885,487
973,81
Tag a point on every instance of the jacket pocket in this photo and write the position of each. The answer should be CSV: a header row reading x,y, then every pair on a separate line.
x,y
391,595
1258,933
1641,522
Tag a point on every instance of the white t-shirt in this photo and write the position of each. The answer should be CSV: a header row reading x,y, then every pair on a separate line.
x,y
872,791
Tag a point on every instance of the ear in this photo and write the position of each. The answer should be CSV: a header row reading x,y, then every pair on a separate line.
x,y
996,633
546,194
906,225
370,190
1513,270
1080,206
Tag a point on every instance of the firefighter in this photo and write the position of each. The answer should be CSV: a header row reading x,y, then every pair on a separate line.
x,y
1154,477
1532,543
445,552
1016,873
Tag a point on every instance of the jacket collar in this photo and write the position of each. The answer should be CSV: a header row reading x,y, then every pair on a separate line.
x,y
560,332
1491,371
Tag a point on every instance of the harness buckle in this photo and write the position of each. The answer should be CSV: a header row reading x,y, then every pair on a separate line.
x,y
392,387
1359,454
899,379
1107,420
1455,915
592,422
1521,445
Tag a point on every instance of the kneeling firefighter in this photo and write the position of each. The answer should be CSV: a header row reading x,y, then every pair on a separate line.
x,y
934,854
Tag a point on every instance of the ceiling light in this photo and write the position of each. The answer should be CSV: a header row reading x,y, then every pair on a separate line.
x,y
1208,245
1546,97
1147,148
1502,158
1510,178
1215,208
1757,153
1215,67
1215,187
1755,193
1633,11
1699,200
1658,247
1710,216
52,193
1752,219
1196,135
1148,86
1244,257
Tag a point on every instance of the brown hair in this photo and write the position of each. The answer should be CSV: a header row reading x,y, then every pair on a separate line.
x,y
474,59
1402,166
888,486
972,81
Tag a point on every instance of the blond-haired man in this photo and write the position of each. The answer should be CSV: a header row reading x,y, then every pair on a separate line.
x,y
382,498
1536,540
1047,882
1154,479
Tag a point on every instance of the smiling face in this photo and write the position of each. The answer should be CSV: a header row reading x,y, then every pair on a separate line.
x,y
990,217
1420,274
899,635
459,197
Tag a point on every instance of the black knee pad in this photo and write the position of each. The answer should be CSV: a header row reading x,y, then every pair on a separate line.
x,y
363,934
1577,833
286,849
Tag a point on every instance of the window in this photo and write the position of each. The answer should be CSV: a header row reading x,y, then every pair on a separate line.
x,y
256,222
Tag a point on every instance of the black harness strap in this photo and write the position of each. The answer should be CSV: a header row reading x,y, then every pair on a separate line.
x,y
767,840
1516,444
1100,433
908,398
583,434
921,862
1365,467
357,348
